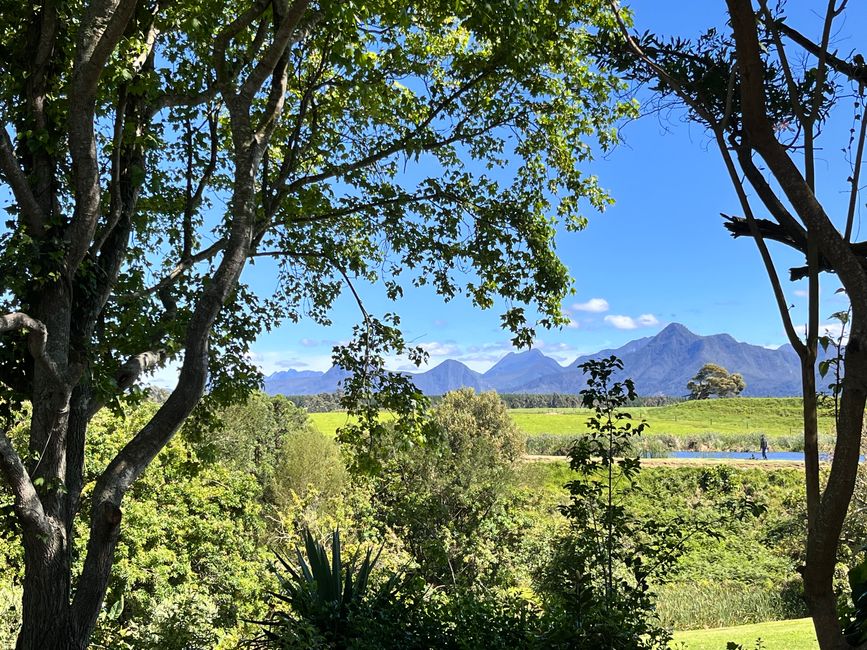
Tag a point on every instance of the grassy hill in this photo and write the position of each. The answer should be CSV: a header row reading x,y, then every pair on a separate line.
x,y
773,416
719,424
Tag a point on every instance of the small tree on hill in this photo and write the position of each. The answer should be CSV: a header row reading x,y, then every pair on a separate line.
x,y
715,380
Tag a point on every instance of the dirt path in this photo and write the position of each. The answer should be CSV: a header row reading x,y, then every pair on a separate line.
x,y
741,463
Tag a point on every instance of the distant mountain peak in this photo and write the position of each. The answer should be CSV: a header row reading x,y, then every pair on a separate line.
x,y
659,365
451,364
675,329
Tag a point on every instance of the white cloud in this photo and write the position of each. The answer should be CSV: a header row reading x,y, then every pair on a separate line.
x,y
832,329
621,322
629,323
572,324
440,349
594,305
801,293
309,343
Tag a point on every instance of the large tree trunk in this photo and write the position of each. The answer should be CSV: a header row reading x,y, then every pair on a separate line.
x,y
46,622
46,614
823,542
58,615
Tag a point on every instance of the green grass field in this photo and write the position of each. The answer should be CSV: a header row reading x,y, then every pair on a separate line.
x,y
723,424
776,635
773,416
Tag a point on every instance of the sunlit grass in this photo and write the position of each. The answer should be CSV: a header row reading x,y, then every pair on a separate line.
x,y
772,416
777,635
723,424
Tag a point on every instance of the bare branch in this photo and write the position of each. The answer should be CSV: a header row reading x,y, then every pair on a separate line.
x,y
856,174
169,100
809,119
856,72
796,231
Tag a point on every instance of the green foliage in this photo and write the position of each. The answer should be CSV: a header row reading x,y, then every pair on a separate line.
x,y
10,614
190,562
449,500
625,538
855,616
189,565
326,597
310,463
712,379
319,403
599,575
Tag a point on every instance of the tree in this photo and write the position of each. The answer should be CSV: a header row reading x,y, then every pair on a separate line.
x,y
155,149
715,380
449,499
601,571
766,92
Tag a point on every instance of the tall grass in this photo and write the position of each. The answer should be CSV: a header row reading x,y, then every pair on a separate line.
x,y
658,445
713,603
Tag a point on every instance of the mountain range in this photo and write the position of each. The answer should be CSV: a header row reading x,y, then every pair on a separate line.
x,y
659,365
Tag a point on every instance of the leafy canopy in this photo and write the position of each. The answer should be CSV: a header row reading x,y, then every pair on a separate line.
x,y
420,144
712,379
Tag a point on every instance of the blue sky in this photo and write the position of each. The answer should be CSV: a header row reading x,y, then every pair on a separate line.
x,y
659,255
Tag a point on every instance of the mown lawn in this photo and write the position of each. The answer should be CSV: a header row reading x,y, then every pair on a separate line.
x,y
775,635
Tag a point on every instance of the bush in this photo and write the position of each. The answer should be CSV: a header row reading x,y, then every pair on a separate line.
x,y
327,602
10,615
451,501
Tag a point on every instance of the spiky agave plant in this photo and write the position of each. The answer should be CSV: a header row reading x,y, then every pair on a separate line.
x,y
324,595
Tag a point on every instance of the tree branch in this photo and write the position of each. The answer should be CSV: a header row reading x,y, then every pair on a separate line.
x,y
398,145
221,42
856,173
128,374
767,195
102,28
37,339
856,72
276,51
28,505
709,119
31,213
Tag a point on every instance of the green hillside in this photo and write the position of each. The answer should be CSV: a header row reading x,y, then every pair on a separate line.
x,y
719,424
773,416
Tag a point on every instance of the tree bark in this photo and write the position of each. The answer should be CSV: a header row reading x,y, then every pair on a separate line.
x,y
46,621
823,533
